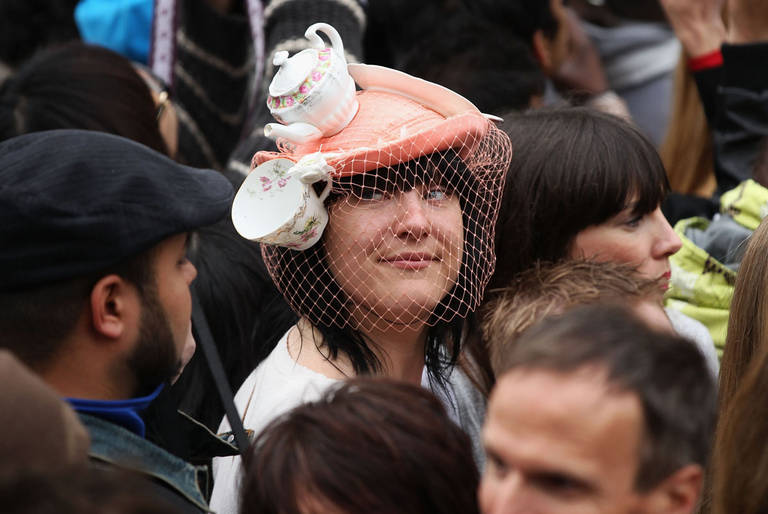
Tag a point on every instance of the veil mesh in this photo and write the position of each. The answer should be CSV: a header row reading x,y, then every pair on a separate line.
x,y
410,232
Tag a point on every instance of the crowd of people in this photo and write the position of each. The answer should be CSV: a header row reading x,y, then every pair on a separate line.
x,y
352,256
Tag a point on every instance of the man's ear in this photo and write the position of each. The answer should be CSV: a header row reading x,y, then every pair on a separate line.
x,y
113,305
542,50
677,494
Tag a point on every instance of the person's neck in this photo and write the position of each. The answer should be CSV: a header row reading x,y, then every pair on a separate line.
x,y
96,381
74,386
401,352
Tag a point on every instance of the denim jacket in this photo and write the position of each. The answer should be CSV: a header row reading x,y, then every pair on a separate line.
x,y
115,445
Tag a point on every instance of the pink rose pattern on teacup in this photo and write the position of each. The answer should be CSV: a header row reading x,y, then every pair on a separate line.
x,y
315,76
282,180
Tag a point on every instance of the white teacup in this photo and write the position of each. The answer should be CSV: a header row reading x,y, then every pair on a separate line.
x,y
277,205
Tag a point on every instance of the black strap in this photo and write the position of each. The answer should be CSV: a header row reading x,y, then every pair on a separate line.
x,y
204,338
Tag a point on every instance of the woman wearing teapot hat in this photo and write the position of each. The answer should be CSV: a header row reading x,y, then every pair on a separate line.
x,y
376,217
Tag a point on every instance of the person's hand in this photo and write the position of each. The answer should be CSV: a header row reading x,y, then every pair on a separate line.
x,y
698,24
581,71
747,21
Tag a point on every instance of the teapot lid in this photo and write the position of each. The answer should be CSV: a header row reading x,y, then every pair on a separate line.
x,y
293,72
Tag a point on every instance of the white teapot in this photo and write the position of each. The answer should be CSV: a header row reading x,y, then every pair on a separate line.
x,y
312,94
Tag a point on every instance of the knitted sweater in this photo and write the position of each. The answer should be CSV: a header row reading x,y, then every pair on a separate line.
x,y
217,86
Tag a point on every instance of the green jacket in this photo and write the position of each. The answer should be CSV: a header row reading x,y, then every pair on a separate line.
x,y
704,270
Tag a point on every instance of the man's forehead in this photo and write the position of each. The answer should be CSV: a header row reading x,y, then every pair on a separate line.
x,y
575,417
549,388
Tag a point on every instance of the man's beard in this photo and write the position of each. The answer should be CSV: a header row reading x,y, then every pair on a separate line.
x,y
155,359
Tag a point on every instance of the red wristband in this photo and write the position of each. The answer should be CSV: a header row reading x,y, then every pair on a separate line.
x,y
711,59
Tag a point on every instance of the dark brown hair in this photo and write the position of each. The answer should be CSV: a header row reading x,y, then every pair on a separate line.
x,y
35,322
572,168
667,373
371,445
80,86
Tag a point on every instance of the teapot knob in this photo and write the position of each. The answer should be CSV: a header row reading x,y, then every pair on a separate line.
x,y
280,58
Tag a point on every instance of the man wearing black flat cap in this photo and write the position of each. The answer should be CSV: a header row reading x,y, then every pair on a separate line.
x,y
94,282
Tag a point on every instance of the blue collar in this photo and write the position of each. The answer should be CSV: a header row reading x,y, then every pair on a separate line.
x,y
121,412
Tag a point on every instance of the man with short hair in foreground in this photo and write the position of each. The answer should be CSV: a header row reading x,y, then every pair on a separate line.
x,y
597,413
94,283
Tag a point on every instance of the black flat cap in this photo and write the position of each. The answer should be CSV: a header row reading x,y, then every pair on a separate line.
x,y
73,202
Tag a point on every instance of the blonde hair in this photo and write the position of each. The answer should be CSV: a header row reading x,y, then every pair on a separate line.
x,y
687,150
551,288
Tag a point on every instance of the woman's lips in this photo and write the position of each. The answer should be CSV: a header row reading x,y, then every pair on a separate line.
x,y
664,280
410,261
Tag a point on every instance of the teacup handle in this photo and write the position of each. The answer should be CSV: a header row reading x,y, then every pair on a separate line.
x,y
317,42
326,190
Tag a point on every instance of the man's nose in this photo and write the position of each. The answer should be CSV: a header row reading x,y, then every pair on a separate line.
x,y
190,272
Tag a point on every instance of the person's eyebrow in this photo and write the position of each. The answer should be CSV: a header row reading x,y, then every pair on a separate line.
x,y
492,455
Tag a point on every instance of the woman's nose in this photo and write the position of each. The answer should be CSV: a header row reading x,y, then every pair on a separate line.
x,y
412,220
668,242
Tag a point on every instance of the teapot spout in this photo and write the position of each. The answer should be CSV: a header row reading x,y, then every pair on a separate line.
x,y
295,132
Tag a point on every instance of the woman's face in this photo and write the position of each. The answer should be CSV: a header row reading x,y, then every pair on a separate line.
x,y
396,254
646,241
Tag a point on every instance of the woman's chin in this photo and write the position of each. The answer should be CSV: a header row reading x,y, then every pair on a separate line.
x,y
411,313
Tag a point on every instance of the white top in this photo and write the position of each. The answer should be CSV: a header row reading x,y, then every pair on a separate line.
x,y
276,386
695,331
279,384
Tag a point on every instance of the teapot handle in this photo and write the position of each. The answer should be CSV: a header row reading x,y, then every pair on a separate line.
x,y
317,42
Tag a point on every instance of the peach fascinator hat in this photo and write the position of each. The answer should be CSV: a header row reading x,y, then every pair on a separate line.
x,y
400,118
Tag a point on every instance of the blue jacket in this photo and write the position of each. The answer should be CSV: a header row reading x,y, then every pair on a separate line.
x,y
112,444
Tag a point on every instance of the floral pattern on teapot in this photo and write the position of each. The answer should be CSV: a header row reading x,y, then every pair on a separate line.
x,y
317,74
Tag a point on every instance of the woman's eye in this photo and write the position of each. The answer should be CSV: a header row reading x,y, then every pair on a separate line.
x,y
436,195
634,222
373,195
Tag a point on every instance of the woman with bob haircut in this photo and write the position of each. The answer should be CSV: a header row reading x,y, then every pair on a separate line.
x,y
585,184
411,175
582,184
319,445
